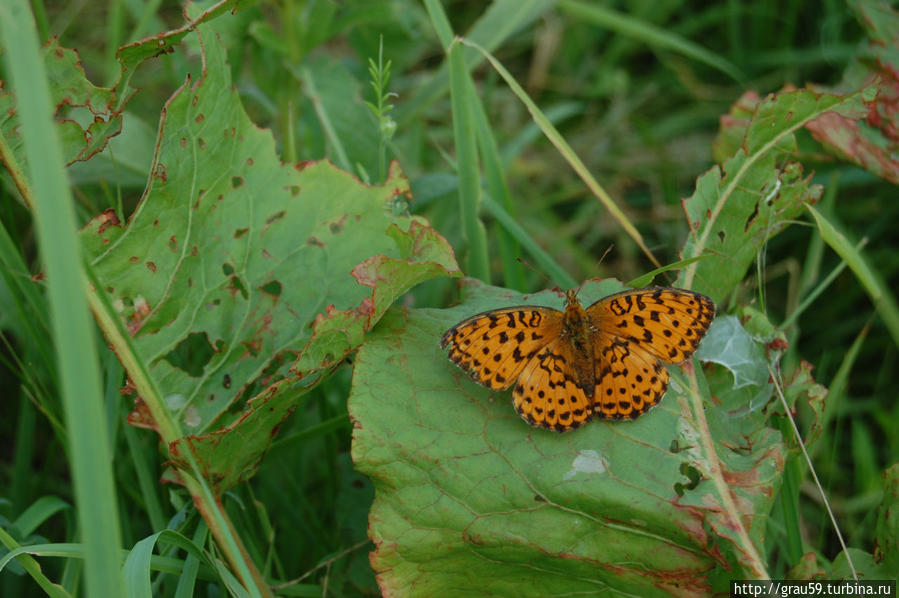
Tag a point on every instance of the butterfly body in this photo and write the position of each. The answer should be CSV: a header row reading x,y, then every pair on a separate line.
x,y
568,366
578,330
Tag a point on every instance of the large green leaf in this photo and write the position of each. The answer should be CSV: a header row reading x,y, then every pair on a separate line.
x,y
241,278
469,497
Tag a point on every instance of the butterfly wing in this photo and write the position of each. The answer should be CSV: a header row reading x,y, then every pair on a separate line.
x,y
495,346
628,379
635,330
547,395
667,323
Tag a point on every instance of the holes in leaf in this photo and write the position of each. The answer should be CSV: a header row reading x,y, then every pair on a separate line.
x,y
236,285
692,475
240,232
192,354
228,269
272,288
274,217
236,182
752,217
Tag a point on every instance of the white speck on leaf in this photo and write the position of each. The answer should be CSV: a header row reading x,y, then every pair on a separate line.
x,y
586,462
192,417
175,401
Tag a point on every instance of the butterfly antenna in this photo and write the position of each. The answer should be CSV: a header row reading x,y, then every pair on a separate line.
x,y
604,254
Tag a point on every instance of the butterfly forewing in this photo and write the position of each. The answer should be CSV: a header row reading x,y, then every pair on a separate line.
x,y
666,323
495,346
547,394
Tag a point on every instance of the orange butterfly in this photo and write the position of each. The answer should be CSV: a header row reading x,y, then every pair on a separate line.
x,y
604,360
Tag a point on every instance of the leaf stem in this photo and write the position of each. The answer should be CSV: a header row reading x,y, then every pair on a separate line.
x,y
754,562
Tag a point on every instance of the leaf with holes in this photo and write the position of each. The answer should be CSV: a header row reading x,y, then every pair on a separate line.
x,y
468,496
755,193
86,116
237,275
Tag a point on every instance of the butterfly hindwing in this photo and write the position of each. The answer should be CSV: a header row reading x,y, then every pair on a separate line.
x,y
547,395
495,346
628,379
666,323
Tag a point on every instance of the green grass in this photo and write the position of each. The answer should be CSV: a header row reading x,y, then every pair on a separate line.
x,y
551,133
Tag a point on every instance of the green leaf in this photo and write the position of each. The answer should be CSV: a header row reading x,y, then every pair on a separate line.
x,y
86,115
730,345
133,55
469,497
238,275
754,195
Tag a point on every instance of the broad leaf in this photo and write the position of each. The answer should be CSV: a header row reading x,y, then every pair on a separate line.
x,y
241,279
470,497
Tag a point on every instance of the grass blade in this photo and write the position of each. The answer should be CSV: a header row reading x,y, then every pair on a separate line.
x,y
567,152
880,296
467,159
89,451
649,34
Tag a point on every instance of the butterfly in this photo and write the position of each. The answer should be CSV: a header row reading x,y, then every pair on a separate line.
x,y
567,366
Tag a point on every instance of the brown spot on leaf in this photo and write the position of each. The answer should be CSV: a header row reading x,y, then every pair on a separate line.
x,y
151,267
107,218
